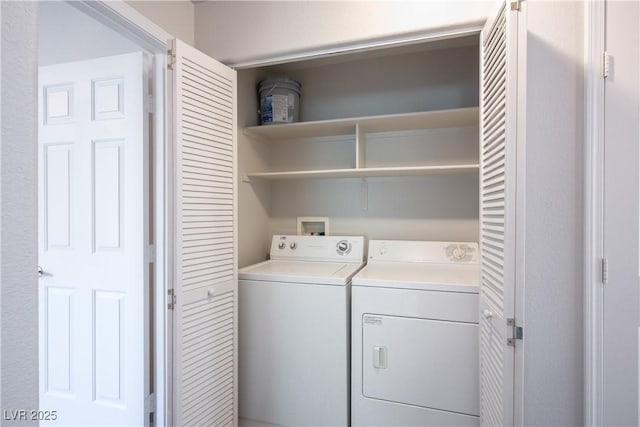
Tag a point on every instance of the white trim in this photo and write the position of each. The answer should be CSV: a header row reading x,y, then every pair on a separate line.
x,y
170,230
149,281
34,246
593,211
124,19
521,47
119,16
472,28
162,211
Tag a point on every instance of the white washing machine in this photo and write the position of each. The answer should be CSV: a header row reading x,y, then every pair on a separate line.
x,y
294,331
415,335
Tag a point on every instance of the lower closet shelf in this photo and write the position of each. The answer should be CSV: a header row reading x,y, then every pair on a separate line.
x,y
370,172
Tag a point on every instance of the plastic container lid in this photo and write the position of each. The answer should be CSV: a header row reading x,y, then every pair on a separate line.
x,y
279,82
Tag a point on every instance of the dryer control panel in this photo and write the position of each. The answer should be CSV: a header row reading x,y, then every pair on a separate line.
x,y
425,252
318,248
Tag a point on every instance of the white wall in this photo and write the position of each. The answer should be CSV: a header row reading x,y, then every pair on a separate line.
x,y
66,34
175,17
409,82
399,208
237,31
254,199
18,212
552,318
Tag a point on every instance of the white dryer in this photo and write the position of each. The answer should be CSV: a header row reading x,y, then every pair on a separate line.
x,y
415,335
294,331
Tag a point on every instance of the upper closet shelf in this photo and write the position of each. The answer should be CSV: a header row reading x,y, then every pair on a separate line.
x,y
460,169
395,122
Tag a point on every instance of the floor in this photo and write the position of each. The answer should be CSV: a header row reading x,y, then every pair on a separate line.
x,y
243,422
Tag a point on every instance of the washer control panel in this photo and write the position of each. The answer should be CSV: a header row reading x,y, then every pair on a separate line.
x,y
343,247
320,248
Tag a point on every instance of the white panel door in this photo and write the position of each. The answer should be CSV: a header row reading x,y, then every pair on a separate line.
x,y
621,294
92,241
498,59
205,252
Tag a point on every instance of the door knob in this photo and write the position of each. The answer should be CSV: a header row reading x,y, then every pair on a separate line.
x,y
40,271
487,313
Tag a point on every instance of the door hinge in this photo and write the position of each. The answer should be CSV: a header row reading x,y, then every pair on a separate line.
x,y
516,332
172,299
606,63
150,403
515,4
150,254
605,271
171,59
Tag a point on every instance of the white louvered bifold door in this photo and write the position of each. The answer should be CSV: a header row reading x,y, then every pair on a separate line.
x,y
497,215
205,253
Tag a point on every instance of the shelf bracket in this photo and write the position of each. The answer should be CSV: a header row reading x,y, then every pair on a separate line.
x,y
360,146
365,194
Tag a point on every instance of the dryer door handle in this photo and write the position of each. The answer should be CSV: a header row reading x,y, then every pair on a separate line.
x,y
379,357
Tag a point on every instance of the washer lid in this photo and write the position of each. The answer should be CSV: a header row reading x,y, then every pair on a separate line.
x,y
319,273
420,276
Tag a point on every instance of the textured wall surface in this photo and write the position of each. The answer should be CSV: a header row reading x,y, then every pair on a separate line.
x,y
67,34
175,17
237,31
18,208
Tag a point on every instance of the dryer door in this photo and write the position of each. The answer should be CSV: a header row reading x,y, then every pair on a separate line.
x,y
428,363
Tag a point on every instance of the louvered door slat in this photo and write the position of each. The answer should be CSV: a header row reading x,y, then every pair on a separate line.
x,y
490,345
205,76
196,100
189,172
215,96
208,150
195,250
495,157
495,135
497,216
205,262
194,133
202,79
198,165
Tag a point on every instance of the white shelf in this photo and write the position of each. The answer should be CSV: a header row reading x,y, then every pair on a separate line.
x,y
395,122
360,127
370,172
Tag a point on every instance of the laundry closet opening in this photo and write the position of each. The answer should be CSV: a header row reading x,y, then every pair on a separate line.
x,y
386,147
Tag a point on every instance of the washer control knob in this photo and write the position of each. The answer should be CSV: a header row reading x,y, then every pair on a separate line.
x,y
293,245
343,247
281,245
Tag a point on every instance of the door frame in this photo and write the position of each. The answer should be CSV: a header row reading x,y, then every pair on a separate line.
x,y
124,19
594,44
